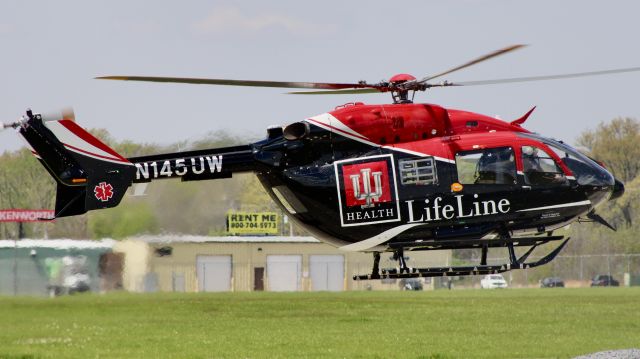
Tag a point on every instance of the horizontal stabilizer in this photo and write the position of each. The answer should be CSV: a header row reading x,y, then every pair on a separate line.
x,y
521,120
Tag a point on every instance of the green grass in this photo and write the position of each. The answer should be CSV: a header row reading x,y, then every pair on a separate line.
x,y
514,323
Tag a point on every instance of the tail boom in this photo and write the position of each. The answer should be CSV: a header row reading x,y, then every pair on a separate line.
x,y
194,165
90,175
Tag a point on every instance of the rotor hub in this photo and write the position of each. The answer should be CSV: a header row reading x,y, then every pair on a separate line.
x,y
400,78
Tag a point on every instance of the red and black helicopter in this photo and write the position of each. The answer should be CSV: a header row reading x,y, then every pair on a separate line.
x,y
394,177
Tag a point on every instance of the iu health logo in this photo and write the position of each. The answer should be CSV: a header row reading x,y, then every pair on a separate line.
x,y
367,190
366,183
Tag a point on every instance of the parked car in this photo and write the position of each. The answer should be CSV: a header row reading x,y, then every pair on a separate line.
x,y
551,282
410,284
604,280
493,281
67,275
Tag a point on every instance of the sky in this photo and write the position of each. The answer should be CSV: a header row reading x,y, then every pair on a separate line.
x,y
52,50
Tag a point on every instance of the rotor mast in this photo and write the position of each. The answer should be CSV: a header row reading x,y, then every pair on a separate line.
x,y
400,94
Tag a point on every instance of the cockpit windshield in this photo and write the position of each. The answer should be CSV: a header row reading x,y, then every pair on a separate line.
x,y
586,171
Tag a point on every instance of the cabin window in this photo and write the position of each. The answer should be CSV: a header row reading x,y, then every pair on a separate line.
x,y
472,123
539,168
418,171
486,166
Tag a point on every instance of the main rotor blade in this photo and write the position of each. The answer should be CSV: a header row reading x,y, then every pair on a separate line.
x,y
475,61
544,78
204,81
337,92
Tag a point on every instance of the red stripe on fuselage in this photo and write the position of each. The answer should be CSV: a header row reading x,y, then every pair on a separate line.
x,y
434,144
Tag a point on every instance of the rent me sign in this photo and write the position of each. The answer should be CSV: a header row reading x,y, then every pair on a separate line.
x,y
246,223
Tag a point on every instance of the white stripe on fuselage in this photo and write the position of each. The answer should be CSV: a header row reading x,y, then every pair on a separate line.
x,y
379,239
331,123
562,205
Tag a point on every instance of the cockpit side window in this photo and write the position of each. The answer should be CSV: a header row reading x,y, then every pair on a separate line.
x,y
486,166
539,168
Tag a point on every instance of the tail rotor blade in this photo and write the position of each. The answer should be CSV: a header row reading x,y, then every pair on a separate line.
x,y
66,113
14,124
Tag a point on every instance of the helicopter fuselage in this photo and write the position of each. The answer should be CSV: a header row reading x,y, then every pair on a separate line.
x,y
415,176
364,177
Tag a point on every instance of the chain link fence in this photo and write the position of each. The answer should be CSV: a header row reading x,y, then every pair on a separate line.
x,y
26,276
574,270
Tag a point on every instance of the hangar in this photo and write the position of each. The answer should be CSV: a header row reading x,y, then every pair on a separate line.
x,y
271,263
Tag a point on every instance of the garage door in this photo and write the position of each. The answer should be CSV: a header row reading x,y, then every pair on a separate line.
x,y
327,272
214,273
284,272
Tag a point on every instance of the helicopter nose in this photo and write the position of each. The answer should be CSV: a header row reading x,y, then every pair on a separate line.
x,y
618,190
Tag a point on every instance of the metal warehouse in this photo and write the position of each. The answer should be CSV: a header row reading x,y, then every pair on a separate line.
x,y
33,266
210,264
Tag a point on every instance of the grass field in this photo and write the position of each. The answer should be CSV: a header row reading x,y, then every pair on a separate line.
x,y
514,323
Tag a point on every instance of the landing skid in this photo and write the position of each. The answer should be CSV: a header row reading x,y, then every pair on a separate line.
x,y
473,243
405,272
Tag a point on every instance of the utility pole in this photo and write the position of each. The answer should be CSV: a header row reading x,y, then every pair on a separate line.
x,y
20,235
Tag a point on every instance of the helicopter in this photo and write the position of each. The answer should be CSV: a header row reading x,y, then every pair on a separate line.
x,y
378,178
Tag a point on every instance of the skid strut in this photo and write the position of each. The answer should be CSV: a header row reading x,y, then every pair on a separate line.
x,y
375,273
399,256
483,260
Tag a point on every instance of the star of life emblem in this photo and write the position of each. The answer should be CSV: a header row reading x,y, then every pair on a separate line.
x,y
103,191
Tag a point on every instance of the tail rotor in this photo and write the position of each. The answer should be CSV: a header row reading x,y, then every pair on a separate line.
x,y
66,113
